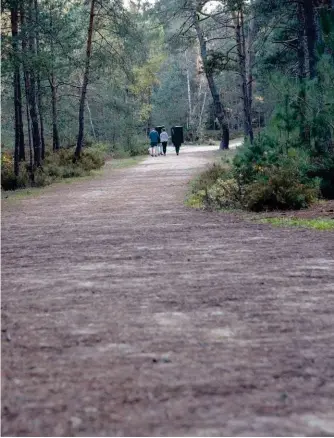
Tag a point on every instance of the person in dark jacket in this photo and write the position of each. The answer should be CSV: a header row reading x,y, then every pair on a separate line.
x,y
154,140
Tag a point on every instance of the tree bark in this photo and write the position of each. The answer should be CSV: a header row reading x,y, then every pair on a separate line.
x,y
19,153
28,48
53,87
311,35
201,115
31,155
190,110
38,82
91,120
218,106
85,83
55,133
22,154
241,50
249,69
301,73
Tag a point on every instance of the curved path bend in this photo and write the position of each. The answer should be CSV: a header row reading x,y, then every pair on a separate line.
x,y
125,313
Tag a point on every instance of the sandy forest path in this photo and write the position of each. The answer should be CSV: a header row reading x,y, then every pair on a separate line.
x,y
125,313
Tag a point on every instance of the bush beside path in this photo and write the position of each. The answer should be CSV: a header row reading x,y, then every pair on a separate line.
x,y
126,313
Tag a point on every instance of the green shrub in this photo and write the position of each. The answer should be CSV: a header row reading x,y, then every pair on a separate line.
x,y
196,200
280,188
9,181
275,175
91,159
130,146
225,193
259,179
8,177
105,149
323,168
251,159
209,177
41,178
56,165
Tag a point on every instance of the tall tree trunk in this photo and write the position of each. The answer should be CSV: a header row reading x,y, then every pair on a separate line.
x,y
218,106
31,155
16,78
85,82
301,73
250,59
311,35
26,89
190,110
19,153
241,49
22,154
28,48
38,81
55,134
53,87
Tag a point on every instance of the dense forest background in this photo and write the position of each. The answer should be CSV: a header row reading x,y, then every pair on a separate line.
x,y
81,79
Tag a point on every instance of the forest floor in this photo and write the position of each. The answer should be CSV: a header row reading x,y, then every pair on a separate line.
x,y
125,313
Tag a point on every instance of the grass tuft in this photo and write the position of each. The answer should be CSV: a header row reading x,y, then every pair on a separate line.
x,y
316,224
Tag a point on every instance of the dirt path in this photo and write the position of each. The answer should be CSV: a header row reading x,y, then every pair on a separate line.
x,y
126,313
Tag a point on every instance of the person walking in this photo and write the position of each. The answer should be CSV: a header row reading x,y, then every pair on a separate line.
x,y
154,139
164,140
177,138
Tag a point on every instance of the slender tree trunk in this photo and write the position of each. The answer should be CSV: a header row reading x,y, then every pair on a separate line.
x,y
55,134
249,69
22,154
149,123
190,110
218,106
31,155
38,82
241,50
301,73
28,48
201,115
53,88
16,79
311,35
19,152
36,139
91,120
85,83
26,89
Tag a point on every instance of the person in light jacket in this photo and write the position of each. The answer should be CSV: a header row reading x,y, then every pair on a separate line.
x,y
164,140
